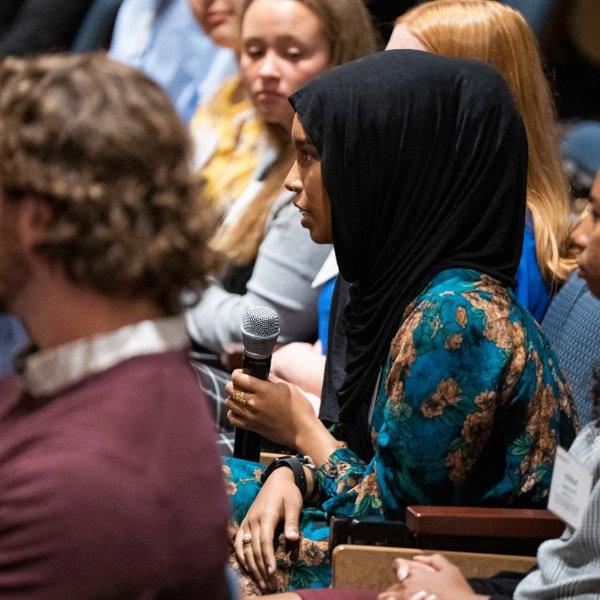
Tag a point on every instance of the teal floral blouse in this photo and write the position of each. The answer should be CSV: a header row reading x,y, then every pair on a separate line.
x,y
470,409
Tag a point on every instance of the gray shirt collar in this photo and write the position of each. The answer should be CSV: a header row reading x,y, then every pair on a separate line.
x,y
45,373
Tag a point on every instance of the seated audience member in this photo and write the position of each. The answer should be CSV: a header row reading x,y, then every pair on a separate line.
x,y
161,38
34,26
499,35
109,476
568,567
572,326
271,259
230,137
451,394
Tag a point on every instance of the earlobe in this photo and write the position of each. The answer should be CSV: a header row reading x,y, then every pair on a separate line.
x,y
32,221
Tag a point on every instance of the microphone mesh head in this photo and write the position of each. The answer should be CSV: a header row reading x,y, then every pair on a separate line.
x,y
260,329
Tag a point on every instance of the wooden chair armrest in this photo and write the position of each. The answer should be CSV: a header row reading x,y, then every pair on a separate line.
x,y
482,522
370,567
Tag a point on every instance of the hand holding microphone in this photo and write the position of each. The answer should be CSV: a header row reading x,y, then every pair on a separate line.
x,y
260,330
276,409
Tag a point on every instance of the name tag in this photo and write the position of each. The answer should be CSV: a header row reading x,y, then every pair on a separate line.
x,y
570,489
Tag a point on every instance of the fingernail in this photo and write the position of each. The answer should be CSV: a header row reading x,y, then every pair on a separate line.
x,y
419,595
402,571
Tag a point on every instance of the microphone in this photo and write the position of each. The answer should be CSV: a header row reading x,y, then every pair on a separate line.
x,y
260,329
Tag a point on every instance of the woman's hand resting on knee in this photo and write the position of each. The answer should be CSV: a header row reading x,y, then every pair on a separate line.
x,y
278,500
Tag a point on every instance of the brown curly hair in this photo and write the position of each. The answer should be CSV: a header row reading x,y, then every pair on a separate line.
x,y
102,146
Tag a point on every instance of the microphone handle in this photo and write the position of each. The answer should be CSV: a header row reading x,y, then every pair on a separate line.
x,y
248,444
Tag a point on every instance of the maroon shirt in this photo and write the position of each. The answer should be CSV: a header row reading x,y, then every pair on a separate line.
x,y
112,488
337,594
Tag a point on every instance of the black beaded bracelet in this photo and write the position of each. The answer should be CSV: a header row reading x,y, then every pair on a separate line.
x,y
293,463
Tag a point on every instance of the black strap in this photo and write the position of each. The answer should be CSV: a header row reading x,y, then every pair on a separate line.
x,y
293,463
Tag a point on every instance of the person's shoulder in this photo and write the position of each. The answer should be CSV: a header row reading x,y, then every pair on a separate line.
x,y
459,305
453,289
456,283
171,366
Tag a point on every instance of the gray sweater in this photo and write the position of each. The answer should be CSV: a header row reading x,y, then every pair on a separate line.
x,y
569,567
285,267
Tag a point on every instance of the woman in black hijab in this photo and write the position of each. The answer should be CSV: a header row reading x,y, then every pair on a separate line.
x,y
414,165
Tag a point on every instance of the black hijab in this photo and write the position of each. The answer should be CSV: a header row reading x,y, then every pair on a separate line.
x,y
424,159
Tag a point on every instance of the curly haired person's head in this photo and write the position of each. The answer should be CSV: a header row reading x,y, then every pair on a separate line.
x,y
101,146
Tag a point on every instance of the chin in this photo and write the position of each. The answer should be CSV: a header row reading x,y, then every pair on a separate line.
x,y
223,35
277,116
318,237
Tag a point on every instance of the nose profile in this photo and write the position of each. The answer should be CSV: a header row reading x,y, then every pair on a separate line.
x,y
292,182
268,65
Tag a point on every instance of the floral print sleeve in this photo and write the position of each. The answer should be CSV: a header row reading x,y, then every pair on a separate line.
x,y
469,410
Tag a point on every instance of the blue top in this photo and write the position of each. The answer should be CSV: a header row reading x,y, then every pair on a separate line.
x,y
531,291
469,411
12,339
162,38
324,308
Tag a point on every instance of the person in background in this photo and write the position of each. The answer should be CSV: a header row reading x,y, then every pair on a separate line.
x,y
161,38
110,483
230,138
499,35
271,260
34,26
451,393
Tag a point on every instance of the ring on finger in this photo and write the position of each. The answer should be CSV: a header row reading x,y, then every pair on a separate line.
x,y
240,398
246,538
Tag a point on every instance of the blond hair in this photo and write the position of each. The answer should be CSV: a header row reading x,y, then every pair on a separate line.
x,y
347,27
101,145
498,35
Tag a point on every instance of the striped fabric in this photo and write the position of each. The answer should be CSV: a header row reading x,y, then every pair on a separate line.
x,y
572,326
213,382
569,567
